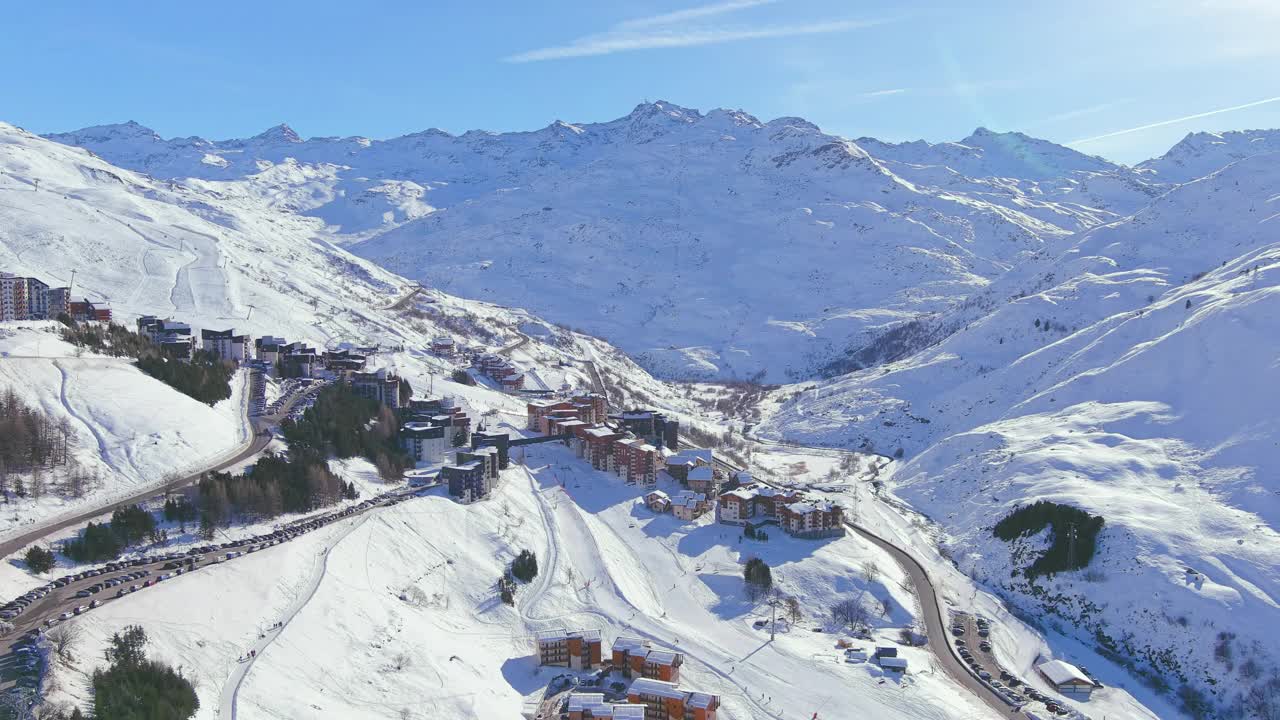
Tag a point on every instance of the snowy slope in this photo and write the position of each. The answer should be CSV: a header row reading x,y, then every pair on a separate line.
x,y
1202,153
218,255
1135,376
403,602
991,154
128,431
705,245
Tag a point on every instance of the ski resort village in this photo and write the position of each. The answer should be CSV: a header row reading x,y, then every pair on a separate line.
x,y
679,416
536,552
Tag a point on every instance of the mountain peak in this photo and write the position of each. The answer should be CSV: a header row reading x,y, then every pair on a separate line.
x,y
279,133
659,108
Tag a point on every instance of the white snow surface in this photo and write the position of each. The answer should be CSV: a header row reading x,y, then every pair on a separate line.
x,y
1136,377
704,245
128,430
605,562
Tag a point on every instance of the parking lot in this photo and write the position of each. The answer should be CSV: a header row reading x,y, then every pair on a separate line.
x,y
971,635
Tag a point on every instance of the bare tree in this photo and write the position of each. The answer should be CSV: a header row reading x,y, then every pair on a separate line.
x,y
870,572
851,613
794,613
65,639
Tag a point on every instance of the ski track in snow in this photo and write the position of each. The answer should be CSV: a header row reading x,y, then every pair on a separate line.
x,y
231,688
649,632
92,428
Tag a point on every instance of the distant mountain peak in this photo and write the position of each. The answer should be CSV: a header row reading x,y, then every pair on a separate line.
x,y
662,108
279,133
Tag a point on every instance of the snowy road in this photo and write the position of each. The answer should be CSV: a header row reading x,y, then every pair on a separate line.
x,y
931,613
258,436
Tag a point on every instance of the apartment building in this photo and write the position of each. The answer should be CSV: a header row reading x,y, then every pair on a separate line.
x,y
666,701
576,649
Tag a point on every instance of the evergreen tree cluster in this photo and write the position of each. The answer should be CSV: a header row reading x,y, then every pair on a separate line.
x,y
96,543
751,532
525,566
134,687
758,575
348,425
274,485
180,510
1063,553
105,541
28,437
205,377
40,560
114,340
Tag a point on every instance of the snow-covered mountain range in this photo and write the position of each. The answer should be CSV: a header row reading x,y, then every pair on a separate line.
x,y
705,245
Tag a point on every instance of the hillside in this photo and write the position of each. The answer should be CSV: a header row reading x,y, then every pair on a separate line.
x,y
404,602
1134,376
1199,154
704,245
128,431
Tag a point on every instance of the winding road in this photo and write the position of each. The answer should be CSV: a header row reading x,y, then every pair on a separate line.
x,y
258,439
931,612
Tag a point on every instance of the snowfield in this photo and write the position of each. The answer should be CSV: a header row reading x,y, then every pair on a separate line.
x,y
704,245
1134,377
403,601
128,430
1007,319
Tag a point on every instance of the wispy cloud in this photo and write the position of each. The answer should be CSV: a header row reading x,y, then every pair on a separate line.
x,y
681,29
693,13
1078,113
882,93
1174,121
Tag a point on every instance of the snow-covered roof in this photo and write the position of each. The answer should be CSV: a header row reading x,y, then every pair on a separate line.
x,y
690,456
600,432
703,700
581,701
702,472
808,507
658,688
662,657
1062,673
629,643
657,494
893,662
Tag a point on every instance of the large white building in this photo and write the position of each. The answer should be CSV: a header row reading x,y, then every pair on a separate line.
x,y
427,443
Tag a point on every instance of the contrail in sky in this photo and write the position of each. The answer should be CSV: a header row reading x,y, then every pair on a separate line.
x,y
1162,123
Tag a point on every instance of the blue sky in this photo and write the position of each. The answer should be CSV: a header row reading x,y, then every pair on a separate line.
x,y
898,71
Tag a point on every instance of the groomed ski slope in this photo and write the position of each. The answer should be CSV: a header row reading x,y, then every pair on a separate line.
x,y
405,621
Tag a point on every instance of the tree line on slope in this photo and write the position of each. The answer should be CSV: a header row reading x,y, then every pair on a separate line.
x,y
204,377
1074,535
346,424
99,542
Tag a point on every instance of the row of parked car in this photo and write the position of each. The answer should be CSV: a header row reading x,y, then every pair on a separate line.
x,y
27,665
177,563
1012,688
